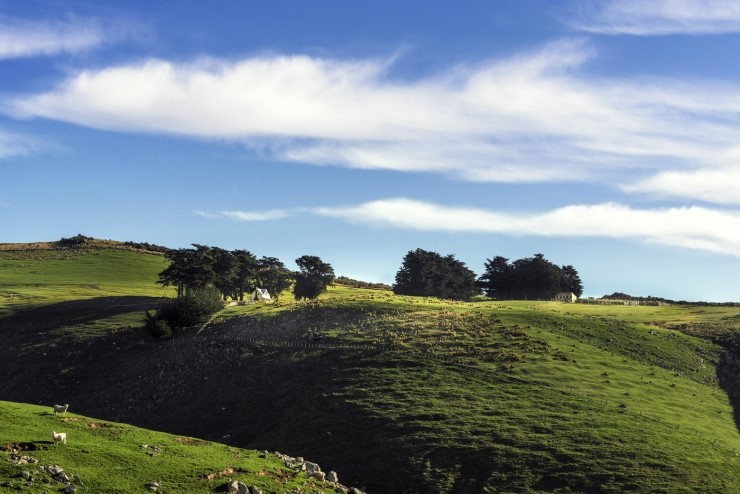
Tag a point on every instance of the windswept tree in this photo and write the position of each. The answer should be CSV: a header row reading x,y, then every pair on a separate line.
x,y
572,281
428,274
533,278
245,274
273,276
497,280
313,277
224,271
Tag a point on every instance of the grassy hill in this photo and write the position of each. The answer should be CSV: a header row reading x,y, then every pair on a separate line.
x,y
398,394
102,456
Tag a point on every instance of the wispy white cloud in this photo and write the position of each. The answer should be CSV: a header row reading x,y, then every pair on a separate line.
x,y
27,38
269,215
658,17
12,144
686,227
533,117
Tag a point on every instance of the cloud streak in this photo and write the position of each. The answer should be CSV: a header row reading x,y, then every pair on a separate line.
x,y
659,17
686,227
27,38
533,117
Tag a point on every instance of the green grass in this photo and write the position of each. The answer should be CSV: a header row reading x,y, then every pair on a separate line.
x,y
478,396
110,457
534,395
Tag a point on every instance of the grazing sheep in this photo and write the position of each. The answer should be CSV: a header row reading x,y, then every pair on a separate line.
x,y
59,437
60,409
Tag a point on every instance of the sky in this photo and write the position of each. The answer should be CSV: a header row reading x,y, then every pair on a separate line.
x,y
602,134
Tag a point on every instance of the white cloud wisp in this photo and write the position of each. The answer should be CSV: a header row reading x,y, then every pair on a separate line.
x,y
659,17
26,38
535,117
686,227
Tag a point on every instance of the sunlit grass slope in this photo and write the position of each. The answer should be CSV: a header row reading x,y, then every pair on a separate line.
x,y
534,396
115,458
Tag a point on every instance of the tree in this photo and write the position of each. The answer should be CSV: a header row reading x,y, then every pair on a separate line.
x,y
572,282
189,268
245,273
224,268
528,278
313,277
428,274
497,280
273,275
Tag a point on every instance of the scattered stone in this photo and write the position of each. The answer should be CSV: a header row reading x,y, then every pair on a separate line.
x,y
236,487
152,486
254,490
70,489
332,477
26,475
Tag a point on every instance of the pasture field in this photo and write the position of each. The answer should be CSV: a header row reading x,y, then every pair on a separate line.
x,y
110,457
452,397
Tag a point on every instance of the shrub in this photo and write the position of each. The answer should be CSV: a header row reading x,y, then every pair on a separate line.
x,y
195,307
156,327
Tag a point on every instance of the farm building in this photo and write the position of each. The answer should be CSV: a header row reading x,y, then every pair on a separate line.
x,y
260,295
568,297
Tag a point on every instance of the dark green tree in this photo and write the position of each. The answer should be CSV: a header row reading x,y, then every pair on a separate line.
x,y
245,273
313,277
533,278
274,276
497,280
571,281
224,267
428,274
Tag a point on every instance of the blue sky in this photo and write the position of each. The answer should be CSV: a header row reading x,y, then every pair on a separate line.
x,y
602,134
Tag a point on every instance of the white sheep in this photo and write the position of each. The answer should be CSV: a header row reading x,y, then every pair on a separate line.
x,y
60,408
59,437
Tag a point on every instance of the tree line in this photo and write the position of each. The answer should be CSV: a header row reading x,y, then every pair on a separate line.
x,y
235,273
205,277
425,273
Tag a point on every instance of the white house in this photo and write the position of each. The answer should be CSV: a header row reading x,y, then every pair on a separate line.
x,y
260,295
568,297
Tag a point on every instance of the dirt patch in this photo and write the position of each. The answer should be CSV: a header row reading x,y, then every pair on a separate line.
x,y
16,447
191,441
222,473
99,425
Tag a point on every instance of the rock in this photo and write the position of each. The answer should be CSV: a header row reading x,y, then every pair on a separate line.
x,y
318,475
236,487
332,477
54,470
26,474
152,486
312,467
70,489
254,490
355,490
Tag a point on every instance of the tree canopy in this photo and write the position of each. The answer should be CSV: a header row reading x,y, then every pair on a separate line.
x,y
313,277
533,278
429,274
231,272
273,276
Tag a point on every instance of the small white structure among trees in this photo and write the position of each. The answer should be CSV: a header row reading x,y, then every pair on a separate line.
x,y
568,297
260,295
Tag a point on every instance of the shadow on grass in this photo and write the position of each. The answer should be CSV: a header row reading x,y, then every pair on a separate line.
x,y
75,312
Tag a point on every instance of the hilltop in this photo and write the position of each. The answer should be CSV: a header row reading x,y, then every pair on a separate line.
x,y
398,394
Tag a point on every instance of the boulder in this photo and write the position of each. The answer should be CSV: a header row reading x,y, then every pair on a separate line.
x,y
311,468
70,489
332,477
236,487
318,475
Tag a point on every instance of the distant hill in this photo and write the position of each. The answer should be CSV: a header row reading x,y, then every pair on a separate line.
x,y
81,242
